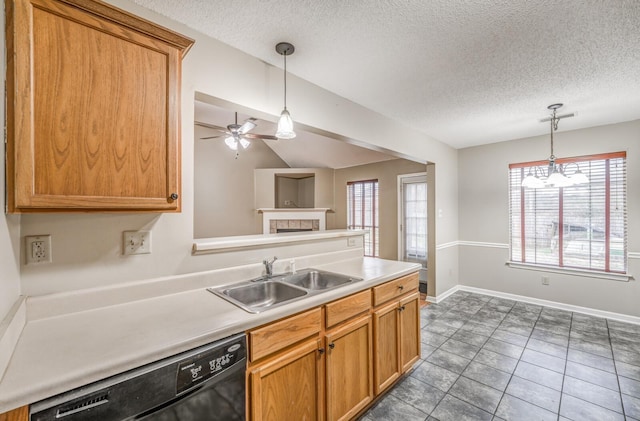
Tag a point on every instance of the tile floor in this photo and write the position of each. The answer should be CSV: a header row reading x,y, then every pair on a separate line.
x,y
487,358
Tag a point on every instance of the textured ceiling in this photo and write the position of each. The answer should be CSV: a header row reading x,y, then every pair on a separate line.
x,y
466,72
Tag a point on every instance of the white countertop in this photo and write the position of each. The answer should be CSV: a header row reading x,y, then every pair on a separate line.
x,y
56,354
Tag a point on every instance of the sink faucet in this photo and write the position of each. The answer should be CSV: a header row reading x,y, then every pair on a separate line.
x,y
268,265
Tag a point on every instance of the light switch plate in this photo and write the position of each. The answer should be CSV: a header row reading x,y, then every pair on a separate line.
x,y
37,249
136,242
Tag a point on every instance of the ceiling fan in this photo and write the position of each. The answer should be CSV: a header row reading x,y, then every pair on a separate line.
x,y
237,135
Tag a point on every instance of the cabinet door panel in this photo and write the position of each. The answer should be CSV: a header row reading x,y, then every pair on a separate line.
x,y
96,109
349,369
409,331
289,387
18,414
386,340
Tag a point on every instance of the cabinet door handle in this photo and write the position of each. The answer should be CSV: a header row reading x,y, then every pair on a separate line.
x,y
174,196
321,351
332,345
402,308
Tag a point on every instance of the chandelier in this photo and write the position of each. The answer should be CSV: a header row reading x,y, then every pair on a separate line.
x,y
556,175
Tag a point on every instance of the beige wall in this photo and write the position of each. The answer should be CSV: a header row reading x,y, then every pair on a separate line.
x,y
387,175
9,229
87,247
266,183
224,195
484,218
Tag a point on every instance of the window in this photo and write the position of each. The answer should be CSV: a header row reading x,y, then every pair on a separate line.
x,y
362,212
582,226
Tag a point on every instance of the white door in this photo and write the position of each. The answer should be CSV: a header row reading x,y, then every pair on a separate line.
x,y
412,220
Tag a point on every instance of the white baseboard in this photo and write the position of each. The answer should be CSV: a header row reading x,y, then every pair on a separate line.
x,y
554,304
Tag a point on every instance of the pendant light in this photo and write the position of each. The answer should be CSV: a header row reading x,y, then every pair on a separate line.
x,y
285,123
556,173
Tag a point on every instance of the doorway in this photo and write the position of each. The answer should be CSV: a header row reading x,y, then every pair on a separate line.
x,y
412,222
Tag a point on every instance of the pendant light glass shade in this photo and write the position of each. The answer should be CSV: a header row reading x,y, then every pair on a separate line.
x,y
557,179
285,123
285,126
579,178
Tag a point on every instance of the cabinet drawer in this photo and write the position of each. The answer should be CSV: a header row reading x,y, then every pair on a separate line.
x,y
395,288
345,308
271,338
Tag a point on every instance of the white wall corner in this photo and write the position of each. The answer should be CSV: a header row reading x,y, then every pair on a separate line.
x,y
10,331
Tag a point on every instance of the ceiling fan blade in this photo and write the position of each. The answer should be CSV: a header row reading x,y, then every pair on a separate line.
x,y
211,137
248,125
259,136
209,126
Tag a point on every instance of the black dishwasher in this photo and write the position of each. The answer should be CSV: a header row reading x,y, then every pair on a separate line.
x,y
206,383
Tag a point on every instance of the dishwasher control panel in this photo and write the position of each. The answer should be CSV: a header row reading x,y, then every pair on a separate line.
x,y
201,367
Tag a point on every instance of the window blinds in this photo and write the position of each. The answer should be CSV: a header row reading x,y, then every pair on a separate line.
x,y
582,226
362,212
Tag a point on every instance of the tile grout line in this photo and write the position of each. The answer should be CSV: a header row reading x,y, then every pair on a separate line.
x,y
519,359
566,361
615,369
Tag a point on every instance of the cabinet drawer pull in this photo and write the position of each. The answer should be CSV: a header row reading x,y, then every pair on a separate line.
x,y
332,345
321,351
400,287
174,196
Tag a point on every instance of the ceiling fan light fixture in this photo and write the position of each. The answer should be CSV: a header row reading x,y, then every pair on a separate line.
x,y
244,143
230,141
285,123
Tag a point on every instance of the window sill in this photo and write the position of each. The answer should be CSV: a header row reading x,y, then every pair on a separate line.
x,y
621,277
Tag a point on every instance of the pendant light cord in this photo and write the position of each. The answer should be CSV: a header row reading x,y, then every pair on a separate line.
x,y
553,125
285,80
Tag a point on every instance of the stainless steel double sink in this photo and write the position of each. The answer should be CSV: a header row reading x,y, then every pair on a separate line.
x,y
266,292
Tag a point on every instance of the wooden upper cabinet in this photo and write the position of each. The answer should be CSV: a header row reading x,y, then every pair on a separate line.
x,y
93,109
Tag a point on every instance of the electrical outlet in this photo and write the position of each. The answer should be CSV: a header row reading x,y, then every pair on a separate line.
x,y
545,280
351,242
136,242
38,249
287,202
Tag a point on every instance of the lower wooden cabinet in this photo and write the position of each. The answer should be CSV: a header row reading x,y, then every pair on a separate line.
x,y
349,369
396,339
289,386
332,361
18,414
386,346
409,331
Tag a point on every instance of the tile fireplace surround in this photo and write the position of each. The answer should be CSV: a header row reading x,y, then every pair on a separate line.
x,y
293,224
313,219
